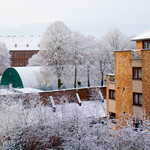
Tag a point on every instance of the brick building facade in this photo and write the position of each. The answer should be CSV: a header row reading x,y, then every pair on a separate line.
x,y
128,90
21,48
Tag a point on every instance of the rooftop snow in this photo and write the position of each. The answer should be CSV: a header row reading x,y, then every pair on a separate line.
x,y
21,42
142,36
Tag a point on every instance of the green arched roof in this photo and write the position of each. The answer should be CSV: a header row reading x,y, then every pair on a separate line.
x,y
11,76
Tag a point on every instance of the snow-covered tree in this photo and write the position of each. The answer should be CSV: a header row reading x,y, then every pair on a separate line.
x,y
32,126
102,60
78,53
115,39
88,59
36,60
130,44
4,57
56,48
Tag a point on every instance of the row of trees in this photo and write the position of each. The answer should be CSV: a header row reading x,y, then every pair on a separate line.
x,y
65,52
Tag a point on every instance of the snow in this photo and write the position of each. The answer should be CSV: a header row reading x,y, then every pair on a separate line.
x,y
27,90
88,109
78,98
142,36
52,101
6,92
21,42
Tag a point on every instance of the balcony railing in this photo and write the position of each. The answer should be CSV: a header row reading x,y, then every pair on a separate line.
x,y
112,78
136,54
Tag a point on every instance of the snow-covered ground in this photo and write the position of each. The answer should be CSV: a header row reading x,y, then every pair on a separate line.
x,y
88,109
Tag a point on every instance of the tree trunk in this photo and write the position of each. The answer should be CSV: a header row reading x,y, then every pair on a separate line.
x,y
102,83
102,73
59,80
59,84
75,77
88,75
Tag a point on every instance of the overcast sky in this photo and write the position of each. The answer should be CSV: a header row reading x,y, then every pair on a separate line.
x,y
95,17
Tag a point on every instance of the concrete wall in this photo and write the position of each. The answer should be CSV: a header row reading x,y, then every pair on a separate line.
x,y
137,86
137,63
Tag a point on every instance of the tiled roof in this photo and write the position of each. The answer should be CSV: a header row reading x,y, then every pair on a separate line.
x,y
21,42
142,36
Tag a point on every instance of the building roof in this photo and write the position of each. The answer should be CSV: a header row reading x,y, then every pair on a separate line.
x,y
142,36
23,77
21,42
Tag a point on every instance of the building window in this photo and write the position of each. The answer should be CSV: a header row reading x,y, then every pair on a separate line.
x,y
112,94
29,54
15,54
21,54
137,73
26,55
146,45
137,99
15,62
10,62
21,62
26,62
112,116
33,52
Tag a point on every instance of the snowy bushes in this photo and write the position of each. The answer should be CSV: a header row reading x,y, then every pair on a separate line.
x,y
31,126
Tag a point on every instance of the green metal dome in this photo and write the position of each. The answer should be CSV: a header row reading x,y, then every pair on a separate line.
x,y
11,76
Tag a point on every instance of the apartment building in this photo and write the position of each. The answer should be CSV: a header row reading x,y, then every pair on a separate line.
x,y
21,48
128,89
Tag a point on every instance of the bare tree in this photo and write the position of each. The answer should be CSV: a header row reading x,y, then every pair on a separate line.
x,y
55,48
4,57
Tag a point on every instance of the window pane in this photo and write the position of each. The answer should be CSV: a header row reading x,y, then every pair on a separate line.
x,y
145,45
139,73
135,73
140,99
114,94
110,92
148,44
135,98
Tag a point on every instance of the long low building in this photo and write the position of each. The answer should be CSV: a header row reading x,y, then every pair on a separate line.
x,y
23,77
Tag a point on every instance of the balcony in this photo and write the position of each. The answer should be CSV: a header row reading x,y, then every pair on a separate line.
x,y
111,78
136,54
